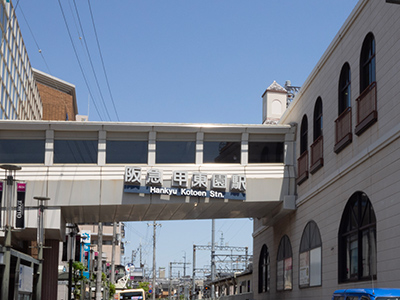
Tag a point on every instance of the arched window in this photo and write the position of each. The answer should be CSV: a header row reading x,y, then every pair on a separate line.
x,y
317,147
344,89
318,119
284,265
367,112
302,161
357,240
263,270
367,62
310,256
303,135
343,126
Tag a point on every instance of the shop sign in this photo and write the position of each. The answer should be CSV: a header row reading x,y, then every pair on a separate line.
x,y
20,212
184,184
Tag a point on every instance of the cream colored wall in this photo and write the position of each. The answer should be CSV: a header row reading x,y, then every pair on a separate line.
x,y
371,163
383,21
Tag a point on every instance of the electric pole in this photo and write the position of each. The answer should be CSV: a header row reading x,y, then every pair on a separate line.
x,y
99,262
112,275
154,258
212,258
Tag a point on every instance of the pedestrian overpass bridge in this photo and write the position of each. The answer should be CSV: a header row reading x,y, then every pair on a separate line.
x,y
104,172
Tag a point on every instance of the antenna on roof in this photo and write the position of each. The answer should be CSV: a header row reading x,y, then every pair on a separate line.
x,y
291,91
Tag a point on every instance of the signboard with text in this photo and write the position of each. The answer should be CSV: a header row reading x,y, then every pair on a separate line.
x,y
218,186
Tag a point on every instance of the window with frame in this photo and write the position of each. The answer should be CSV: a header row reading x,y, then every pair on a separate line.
x,y
343,124
317,149
284,265
367,62
317,119
22,151
357,240
175,152
119,152
263,270
266,152
75,151
344,89
310,272
302,161
304,135
367,113
221,152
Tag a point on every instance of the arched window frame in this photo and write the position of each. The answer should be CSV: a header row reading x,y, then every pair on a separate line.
x,y
343,124
317,147
264,270
318,124
344,89
284,265
367,62
304,135
367,111
310,257
357,240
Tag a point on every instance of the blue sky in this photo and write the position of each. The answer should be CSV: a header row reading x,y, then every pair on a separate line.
x,y
181,61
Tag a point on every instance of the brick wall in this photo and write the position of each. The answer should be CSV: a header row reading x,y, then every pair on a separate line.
x,y
56,104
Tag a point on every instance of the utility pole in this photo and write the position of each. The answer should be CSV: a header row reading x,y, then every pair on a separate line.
x,y
140,254
99,262
212,258
170,281
194,273
154,258
112,277
171,265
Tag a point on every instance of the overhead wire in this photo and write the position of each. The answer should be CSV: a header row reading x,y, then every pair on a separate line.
x,y
36,43
90,59
102,60
41,53
79,62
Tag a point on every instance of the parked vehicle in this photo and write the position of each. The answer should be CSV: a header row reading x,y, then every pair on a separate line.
x,y
367,294
130,294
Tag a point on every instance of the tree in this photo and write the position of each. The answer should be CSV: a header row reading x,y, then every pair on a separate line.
x,y
145,287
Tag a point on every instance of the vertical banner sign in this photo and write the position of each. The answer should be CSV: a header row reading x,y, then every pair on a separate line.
x,y
1,197
20,213
85,239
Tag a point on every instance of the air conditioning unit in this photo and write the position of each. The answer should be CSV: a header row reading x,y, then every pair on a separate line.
x,y
81,118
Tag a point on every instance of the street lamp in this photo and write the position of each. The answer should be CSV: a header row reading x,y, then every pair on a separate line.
x,y
40,240
10,171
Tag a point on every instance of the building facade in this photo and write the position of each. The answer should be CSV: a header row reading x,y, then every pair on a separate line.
x,y
58,97
344,230
19,95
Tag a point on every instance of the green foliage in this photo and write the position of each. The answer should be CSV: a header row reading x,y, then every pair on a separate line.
x,y
78,278
145,287
111,290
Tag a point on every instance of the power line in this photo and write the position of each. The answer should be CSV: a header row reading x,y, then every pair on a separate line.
x,y
79,62
90,59
102,61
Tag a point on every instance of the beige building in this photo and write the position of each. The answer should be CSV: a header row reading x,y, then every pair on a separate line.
x,y
343,232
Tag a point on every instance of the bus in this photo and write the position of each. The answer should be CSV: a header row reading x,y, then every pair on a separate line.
x,y
130,294
367,294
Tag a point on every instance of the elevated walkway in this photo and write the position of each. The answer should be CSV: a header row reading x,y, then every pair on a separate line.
x,y
149,171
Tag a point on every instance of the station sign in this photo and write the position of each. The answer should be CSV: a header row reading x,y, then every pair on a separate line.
x,y
183,183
